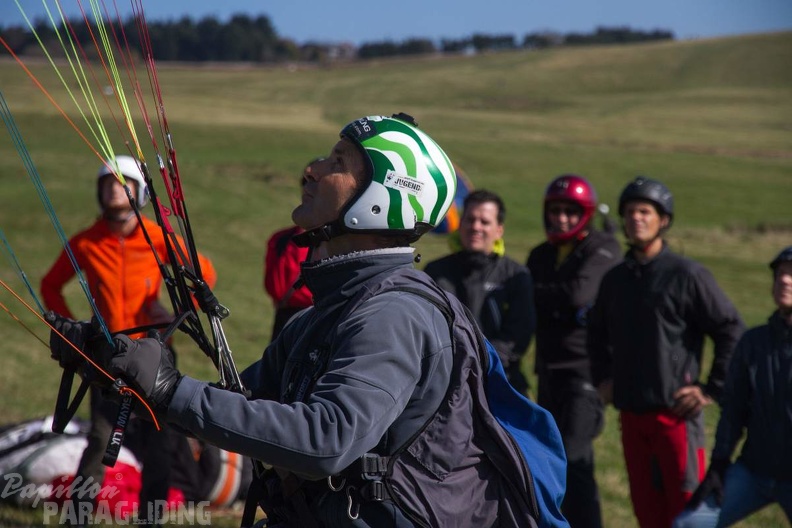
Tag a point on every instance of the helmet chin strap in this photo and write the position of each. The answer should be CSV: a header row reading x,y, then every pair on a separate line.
x,y
641,248
314,238
577,237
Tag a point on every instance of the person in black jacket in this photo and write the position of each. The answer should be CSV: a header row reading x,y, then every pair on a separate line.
x,y
567,270
757,399
646,337
496,289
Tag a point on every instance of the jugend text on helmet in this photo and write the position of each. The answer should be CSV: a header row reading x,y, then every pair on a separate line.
x,y
400,183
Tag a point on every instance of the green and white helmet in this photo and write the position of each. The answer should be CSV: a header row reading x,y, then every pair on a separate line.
x,y
411,180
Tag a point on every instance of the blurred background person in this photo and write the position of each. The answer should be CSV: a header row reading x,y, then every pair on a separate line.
x,y
496,289
646,335
124,278
281,274
567,269
757,401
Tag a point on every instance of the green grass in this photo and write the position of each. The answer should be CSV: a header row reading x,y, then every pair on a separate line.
x,y
709,118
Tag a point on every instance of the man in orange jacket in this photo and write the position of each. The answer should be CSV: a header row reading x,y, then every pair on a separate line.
x,y
124,279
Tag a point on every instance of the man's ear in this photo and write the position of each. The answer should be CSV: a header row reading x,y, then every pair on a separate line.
x,y
665,221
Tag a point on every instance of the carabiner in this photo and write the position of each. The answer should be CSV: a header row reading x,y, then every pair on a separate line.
x,y
335,488
351,505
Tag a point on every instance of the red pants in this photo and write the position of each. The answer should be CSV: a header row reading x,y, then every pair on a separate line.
x,y
665,462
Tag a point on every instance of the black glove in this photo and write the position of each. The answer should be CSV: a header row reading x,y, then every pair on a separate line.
x,y
76,332
711,485
147,365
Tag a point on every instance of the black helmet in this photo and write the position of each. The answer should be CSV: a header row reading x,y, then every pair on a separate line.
x,y
784,256
643,188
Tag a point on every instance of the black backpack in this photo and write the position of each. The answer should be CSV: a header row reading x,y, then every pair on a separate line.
x,y
519,478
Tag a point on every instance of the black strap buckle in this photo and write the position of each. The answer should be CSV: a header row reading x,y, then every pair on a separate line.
x,y
374,491
373,466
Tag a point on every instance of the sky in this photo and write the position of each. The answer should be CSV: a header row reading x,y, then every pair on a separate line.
x,y
358,22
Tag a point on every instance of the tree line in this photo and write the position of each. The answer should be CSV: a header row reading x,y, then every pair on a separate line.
x,y
254,39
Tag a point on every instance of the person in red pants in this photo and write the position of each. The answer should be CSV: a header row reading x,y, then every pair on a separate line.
x,y
646,337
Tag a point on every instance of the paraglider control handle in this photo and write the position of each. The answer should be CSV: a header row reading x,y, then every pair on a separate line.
x,y
118,433
207,300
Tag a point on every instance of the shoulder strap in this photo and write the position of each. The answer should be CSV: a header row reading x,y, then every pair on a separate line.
x,y
372,464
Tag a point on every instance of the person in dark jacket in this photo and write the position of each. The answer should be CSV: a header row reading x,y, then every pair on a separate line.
x,y
567,270
496,289
757,401
337,385
646,337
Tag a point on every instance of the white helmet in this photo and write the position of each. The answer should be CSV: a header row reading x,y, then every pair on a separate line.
x,y
411,180
129,168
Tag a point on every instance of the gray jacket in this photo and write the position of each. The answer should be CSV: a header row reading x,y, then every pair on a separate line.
x,y
387,368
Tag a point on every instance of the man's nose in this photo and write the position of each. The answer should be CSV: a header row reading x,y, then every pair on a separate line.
x,y
309,174
314,171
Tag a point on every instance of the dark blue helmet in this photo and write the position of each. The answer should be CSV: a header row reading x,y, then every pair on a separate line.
x,y
642,188
784,256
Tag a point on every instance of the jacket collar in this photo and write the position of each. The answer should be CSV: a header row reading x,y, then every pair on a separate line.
x,y
339,278
633,264
779,327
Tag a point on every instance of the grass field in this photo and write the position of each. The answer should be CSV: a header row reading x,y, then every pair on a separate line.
x,y
711,118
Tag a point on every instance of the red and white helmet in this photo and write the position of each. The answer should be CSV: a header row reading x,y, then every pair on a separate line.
x,y
573,189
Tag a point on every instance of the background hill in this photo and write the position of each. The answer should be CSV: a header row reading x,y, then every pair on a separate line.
x,y
710,118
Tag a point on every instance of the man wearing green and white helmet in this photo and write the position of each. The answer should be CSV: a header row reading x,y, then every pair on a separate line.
x,y
341,395
398,185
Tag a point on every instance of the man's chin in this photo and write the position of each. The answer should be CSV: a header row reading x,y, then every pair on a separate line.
x,y
476,248
638,238
302,224
117,215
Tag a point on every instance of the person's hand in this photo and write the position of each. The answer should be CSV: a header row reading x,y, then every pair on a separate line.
x,y
147,365
689,401
605,390
711,485
78,333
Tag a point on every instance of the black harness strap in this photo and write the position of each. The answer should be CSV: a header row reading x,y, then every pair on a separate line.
x,y
65,411
254,493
